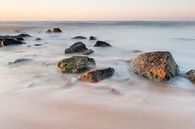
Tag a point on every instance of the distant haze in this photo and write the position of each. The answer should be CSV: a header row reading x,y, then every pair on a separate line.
x,y
97,10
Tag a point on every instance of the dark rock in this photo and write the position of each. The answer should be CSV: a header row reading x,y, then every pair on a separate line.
x,y
137,51
38,39
191,75
76,48
157,66
37,45
23,36
76,64
92,38
102,44
57,30
9,41
18,61
79,37
20,39
88,52
97,75
49,31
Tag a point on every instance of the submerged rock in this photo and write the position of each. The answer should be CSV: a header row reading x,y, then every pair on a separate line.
x,y
37,45
18,61
20,39
76,64
38,39
79,37
9,41
76,48
88,52
102,44
23,36
49,31
57,30
191,75
92,38
158,66
97,75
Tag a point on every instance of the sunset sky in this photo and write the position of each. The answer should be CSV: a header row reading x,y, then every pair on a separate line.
x,y
97,10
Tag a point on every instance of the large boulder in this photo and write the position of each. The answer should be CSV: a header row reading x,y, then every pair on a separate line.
x,y
102,44
76,48
97,75
57,30
76,64
79,37
157,66
191,75
9,41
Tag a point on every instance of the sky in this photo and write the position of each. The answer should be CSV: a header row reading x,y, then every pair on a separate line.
x,y
13,10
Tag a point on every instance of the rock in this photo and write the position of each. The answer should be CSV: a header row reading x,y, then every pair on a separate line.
x,y
20,39
136,51
97,75
37,45
157,66
38,39
18,61
191,75
76,64
79,37
88,52
92,38
57,30
23,36
76,48
49,31
102,44
9,41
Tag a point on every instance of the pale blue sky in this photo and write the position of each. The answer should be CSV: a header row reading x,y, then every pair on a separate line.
x,y
97,9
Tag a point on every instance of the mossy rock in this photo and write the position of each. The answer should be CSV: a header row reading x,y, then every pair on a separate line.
x,y
76,64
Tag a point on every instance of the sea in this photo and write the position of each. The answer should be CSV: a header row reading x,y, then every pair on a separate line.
x,y
29,88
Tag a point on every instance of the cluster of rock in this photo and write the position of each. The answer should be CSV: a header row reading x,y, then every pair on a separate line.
x,y
156,66
13,40
82,64
55,30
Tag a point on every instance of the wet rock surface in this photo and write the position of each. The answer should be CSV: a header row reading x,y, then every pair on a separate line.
x,y
191,75
76,64
97,75
157,66
102,44
77,47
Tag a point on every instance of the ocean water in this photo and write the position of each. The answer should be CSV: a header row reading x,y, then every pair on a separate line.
x,y
38,81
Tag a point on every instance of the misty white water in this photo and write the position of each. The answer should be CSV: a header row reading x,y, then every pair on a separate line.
x,y
34,94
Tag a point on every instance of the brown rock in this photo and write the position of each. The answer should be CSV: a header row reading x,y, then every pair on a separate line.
x,y
158,66
191,75
49,31
97,75
57,30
